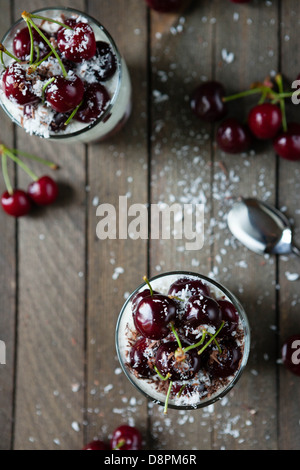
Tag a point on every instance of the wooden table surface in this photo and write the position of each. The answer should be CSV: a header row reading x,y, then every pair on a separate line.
x,y
61,288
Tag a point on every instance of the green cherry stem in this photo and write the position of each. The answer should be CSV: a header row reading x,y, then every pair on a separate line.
x,y
120,444
253,91
5,51
50,20
28,18
176,335
6,176
145,278
168,397
279,82
73,114
211,339
51,165
192,346
31,42
21,164
164,379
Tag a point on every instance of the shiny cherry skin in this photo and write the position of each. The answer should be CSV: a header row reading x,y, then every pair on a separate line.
x,y
126,438
107,61
290,353
138,359
96,100
226,363
265,121
230,316
165,6
16,86
139,296
44,191
207,101
153,315
191,286
233,137
65,94
166,362
22,44
17,204
96,445
287,143
202,310
77,45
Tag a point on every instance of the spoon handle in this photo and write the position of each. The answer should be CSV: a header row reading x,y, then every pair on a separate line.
x,y
296,250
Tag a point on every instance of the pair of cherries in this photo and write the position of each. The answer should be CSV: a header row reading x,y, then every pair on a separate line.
x,y
265,121
125,437
19,203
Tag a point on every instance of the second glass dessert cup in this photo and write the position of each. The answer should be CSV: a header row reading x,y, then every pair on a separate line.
x,y
124,339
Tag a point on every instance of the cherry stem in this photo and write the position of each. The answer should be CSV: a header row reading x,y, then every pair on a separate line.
x,y
176,335
51,165
211,339
5,51
167,398
46,86
147,282
164,379
253,91
282,103
192,346
28,18
73,114
120,444
37,64
19,162
31,42
6,176
50,20
180,391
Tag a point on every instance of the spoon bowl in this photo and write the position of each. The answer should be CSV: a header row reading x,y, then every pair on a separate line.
x,y
261,228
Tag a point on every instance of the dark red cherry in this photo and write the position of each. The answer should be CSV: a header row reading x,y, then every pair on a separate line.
x,y
44,191
202,310
167,363
106,61
233,137
59,122
153,315
139,296
265,121
291,354
96,445
226,363
165,6
287,143
126,438
207,102
188,286
230,316
22,44
16,86
78,44
139,358
96,100
17,204
65,94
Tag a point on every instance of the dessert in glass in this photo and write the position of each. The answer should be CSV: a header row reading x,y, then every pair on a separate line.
x,y
63,78
183,340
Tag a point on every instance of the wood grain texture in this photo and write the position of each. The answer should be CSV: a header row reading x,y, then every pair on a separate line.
x,y
62,288
8,282
52,300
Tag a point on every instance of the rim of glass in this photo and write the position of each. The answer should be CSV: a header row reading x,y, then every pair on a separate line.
x,y
120,72
204,403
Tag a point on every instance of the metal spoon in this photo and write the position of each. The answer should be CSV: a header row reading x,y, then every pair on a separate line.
x,y
261,228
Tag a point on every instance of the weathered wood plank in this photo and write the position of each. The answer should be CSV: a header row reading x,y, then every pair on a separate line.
x,y
248,418
117,167
52,300
7,280
181,173
288,201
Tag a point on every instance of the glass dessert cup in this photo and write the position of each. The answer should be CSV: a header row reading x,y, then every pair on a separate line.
x,y
125,324
116,113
